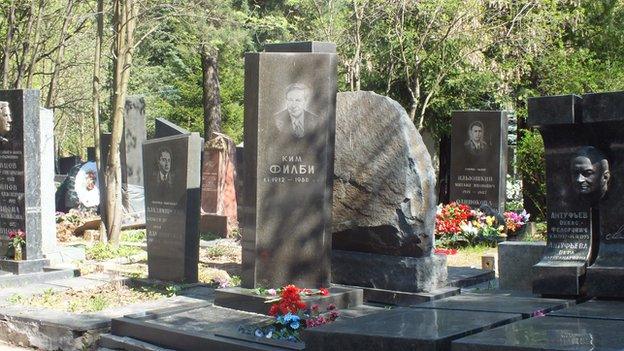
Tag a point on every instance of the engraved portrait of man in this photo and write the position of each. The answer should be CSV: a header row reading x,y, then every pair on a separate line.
x,y
476,144
164,177
590,174
296,120
5,122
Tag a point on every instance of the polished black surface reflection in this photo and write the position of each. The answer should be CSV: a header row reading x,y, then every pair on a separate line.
x,y
527,306
403,329
548,333
613,310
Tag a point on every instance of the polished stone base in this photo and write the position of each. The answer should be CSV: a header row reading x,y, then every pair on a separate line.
x,y
15,280
547,334
23,267
558,279
526,306
403,329
605,281
515,262
402,298
463,277
594,309
400,273
245,300
197,326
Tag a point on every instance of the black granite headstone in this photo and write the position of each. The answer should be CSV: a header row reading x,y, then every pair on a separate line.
x,y
604,114
67,163
290,100
165,128
172,173
20,181
479,158
569,235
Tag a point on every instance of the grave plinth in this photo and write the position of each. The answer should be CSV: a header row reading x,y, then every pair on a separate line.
x,y
290,100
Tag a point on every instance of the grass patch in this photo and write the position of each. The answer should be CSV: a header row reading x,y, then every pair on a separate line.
x,y
474,250
134,236
95,300
102,252
209,236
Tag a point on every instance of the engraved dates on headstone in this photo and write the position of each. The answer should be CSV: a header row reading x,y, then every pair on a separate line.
x,y
289,138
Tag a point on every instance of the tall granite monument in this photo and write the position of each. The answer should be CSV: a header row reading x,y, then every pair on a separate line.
x,y
569,220
171,168
290,99
21,185
479,158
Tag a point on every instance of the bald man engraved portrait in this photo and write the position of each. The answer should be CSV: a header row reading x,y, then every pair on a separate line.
x,y
5,122
590,174
296,120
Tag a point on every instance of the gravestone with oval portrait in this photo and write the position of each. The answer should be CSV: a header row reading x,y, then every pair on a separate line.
x,y
171,168
290,99
479,158
21,189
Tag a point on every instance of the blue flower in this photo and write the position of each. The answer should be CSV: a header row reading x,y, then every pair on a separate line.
x,y
258,333
288,317
269,334
291,338
294,324
280,319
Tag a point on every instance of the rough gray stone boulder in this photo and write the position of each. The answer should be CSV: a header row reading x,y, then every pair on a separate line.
x,y
384,182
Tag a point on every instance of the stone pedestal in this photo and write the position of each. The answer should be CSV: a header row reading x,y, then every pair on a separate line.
x,y
290,102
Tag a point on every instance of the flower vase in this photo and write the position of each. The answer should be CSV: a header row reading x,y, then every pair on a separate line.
x,y
17,256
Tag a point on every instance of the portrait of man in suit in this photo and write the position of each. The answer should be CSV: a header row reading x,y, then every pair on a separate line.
x,y
476,145
164,178
296,120
5,122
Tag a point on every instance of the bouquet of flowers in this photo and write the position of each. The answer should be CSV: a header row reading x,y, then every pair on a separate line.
x,y
291,314
17,241
515,221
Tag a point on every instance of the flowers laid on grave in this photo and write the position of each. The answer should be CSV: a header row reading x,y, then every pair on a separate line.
x,y
17,241
291,314
514,221
457,225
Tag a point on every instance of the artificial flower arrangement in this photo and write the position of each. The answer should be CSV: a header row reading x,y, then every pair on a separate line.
x,y
292,315
458,225
17,241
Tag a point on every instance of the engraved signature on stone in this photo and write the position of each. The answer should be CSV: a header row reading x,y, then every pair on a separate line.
x,y
619,234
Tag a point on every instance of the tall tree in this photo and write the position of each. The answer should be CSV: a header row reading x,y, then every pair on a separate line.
x,y
211,92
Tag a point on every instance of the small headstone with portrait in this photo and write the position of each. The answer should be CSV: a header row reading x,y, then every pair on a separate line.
x,y
171,167
479,158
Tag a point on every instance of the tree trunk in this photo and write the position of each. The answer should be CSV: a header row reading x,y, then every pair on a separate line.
x,y
21,68
97,57
124,20
8,42
211,96
59,55
33,56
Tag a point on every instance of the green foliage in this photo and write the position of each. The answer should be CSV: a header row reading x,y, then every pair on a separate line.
x,y
135,235
532,166
102,252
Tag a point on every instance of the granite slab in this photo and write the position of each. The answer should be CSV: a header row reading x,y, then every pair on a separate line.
x,y
501,303
403,329
245,300
547,334
595,309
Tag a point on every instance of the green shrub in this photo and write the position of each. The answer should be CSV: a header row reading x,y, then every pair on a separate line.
x,y
532,166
